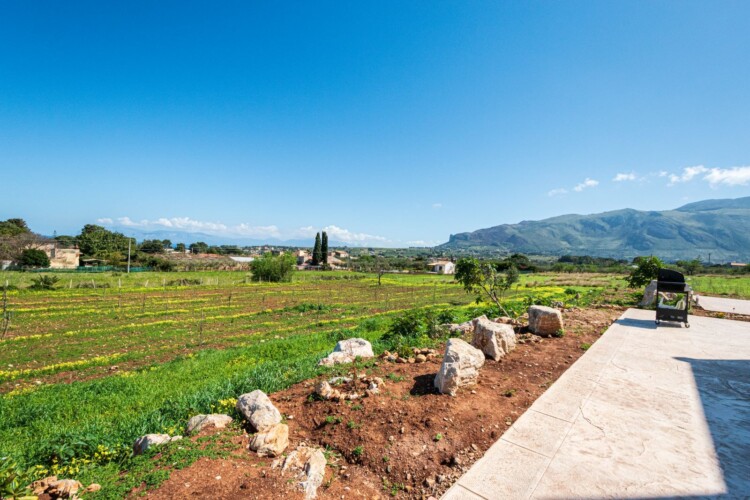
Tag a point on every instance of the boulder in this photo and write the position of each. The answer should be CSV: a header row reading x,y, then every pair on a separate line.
x,y
258,409
477,320
494,339
198,422
336,358
309,466
355,347
272,441
460,367
346,351
143,443
649,295
545,321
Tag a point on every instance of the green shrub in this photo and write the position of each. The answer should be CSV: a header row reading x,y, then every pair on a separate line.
x,y
273,268
647,269
33,257
44,282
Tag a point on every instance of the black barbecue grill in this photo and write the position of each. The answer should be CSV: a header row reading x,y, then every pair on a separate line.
x,y
668,284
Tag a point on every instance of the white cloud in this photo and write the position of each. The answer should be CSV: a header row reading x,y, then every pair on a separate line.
x,y
688,174
735,176
188,225
625,177
437,206
662,173
587,183
341,234
422,243
556,192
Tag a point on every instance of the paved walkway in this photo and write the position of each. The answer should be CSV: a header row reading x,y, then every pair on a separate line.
x,y
647,412
719,304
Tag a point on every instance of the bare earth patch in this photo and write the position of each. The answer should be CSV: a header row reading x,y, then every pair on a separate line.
x,y
407,441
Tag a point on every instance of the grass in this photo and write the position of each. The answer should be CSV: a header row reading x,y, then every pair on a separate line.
x,y
185,350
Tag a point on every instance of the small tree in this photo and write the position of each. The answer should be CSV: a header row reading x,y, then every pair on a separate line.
x,y
647,269
690,266
180,247
324,247
33,257
317,256
273,268
483,279
151,246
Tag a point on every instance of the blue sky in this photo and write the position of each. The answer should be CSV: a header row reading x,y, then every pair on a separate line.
x,y
389,123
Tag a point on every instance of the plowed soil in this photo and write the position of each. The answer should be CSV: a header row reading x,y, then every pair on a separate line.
x,y
407,441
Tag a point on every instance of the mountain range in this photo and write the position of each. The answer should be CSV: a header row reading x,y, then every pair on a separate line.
x,y
718,230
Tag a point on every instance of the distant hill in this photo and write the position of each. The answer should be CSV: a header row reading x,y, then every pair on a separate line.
x,y
718,227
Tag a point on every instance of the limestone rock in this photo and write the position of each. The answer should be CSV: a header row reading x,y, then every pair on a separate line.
x,y
649,295
355,347
272,441
477,320
198,422
336,358
346,351
545,321
258,409
493,339
460,366
143,443
309,464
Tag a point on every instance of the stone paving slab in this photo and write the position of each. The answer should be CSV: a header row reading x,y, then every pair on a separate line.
x,y
647,412
721,304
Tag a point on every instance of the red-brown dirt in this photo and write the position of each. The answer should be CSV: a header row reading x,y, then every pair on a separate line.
x,y
408,441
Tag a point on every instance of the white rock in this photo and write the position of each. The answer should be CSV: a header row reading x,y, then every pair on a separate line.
x,y
336,358
272,441
545,321
355,347
649,295
493,339
143,443
476,320
310,467
258,409
346,351
460,367
198,422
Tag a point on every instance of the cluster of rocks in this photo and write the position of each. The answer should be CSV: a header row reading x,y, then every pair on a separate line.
x,y
326,389
271,437
491,339
61,488
346,351
420,356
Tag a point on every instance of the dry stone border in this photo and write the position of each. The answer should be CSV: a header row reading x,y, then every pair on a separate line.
x,y
61,488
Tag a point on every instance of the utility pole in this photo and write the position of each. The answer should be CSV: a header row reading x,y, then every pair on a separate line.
x,y
130,240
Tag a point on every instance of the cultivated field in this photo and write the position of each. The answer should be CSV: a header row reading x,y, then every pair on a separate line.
x,y
103,359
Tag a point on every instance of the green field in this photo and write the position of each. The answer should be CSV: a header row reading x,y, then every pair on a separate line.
x,y
88,367
105,358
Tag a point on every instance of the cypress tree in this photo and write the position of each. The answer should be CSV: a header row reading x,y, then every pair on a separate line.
x,y
324,248
317,252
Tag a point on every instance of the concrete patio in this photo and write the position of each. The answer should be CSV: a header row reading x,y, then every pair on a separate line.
x,y
721,304
647,412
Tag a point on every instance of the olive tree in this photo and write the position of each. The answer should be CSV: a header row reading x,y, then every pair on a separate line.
x,y
483,279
